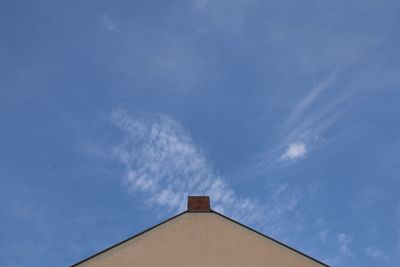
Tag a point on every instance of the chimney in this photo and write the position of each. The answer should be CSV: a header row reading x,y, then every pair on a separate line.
x,y
199,204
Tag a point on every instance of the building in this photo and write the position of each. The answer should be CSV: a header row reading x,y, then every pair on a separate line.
x,y
200,237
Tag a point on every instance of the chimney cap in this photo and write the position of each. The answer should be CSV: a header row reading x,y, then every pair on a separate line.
x,y
199,204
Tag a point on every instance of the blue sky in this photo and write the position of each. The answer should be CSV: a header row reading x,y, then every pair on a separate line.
x,y
285,112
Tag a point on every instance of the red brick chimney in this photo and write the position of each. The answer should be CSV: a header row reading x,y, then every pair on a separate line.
x,y
199,204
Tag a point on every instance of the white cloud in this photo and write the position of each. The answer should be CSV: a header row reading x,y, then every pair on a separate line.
x,y
164,165
294,151
344,241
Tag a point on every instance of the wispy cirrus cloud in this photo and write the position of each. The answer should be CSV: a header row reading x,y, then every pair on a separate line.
x,y
308,100
163,163
311,123
310,117
303,126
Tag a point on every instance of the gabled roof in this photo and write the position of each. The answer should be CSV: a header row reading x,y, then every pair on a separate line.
x,y
200,237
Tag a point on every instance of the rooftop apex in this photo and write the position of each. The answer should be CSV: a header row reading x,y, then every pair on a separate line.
x,y
199,204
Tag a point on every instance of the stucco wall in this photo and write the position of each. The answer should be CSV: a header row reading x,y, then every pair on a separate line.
x,y
200,239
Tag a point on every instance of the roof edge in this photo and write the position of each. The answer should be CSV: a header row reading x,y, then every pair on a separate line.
x,y
270,238
128,239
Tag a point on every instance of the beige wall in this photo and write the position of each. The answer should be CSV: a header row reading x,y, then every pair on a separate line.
x,y
200,239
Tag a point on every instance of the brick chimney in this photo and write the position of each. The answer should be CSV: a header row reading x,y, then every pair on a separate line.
x,y
199,204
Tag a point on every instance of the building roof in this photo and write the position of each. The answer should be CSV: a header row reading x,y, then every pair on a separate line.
x,y
200,236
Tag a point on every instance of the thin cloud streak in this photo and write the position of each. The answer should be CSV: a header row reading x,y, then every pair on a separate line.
x,y
309,99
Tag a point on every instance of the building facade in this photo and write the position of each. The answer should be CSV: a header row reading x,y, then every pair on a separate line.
x,y
200,237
